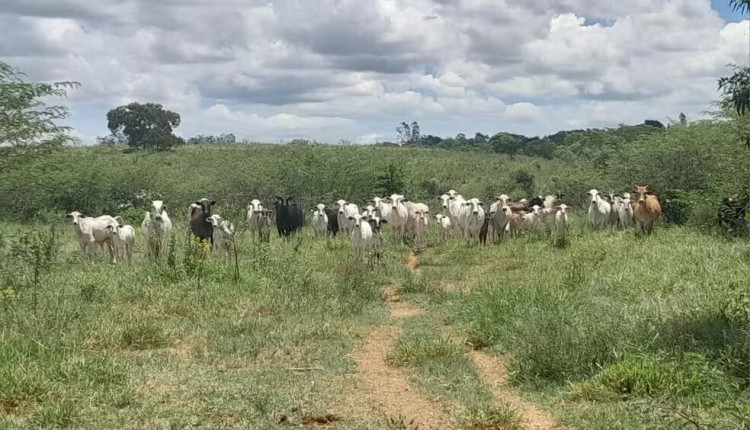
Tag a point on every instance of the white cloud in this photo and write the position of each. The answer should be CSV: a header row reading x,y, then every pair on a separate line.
x,y
347,69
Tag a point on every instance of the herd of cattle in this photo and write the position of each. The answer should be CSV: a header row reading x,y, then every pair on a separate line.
x,y
407,220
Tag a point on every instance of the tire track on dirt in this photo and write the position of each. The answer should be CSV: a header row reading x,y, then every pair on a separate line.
x,y
494,371
386,390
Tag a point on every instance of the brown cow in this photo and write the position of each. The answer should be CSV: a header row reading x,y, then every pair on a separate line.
x,y
647,209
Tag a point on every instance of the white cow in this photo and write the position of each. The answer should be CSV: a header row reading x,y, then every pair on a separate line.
x,y
223,235
91,232
616,203
561,217
253,216
498,218
382,207
599,210
471,219
399,215
157,227
454,211
362,236
123,240
368,211
320,221
549,202
376,224
345,211
532,218
452,193
444,226
625,212
421,223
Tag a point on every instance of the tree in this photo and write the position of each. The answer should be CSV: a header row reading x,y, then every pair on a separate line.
x,y
391,181
683,118
404,133
652,123
742,6
414,138
26,120
146,126
736,89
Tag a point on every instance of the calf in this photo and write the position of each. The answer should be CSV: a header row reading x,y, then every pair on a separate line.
x,y
320,221
199,225
561,216
156,228
223,235
515,222
647,209
362,236
264,225
91,232
376,224
625,212
333,221
444,226
253,216
483,230
531,219
123,240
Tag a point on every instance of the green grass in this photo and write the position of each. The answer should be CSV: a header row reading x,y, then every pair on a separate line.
x,y
611,331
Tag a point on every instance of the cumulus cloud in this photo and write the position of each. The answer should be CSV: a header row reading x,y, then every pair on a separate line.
x,y
346,69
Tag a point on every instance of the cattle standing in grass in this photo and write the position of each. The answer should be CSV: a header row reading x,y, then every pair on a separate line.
x,y
376,224
515,222
320,221
382,208
333,221
199,226
123,240
156,228
647,209
561,216
253,216
289,217
264,225
498,218
483,230
625,212
599,210
345,211
91,232
472,219
444,226
362,236
223,235
399,215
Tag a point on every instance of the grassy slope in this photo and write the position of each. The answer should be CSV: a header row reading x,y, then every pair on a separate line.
x,y
600,327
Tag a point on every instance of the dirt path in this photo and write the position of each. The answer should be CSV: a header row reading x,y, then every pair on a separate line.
x,y
399,308
386,391
494,371
413,264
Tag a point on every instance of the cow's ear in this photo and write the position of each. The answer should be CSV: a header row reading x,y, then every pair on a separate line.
x,y
213,202
382,221
350,218
480,204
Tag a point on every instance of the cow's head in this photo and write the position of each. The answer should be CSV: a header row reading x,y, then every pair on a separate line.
x,y
452,194
357,218
396,199
76,217
214,220
202,207
444,200
641,192
563,208
289,201
376,223
340,204
594,196
158,209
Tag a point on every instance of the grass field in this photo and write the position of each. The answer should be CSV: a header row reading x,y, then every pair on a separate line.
x,y
592,331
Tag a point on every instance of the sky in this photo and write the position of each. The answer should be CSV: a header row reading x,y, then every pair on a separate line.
x,y
332,70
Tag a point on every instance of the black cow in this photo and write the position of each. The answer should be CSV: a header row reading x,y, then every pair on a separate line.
x,y
536,201
289,216
201,228
333,221
483,230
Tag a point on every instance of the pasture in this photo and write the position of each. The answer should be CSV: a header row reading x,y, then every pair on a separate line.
x,y
593,330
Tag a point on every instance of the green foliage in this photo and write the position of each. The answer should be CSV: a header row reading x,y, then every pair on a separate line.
x,y
142,335
392,181
145,126
25,119
735,89
494,418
